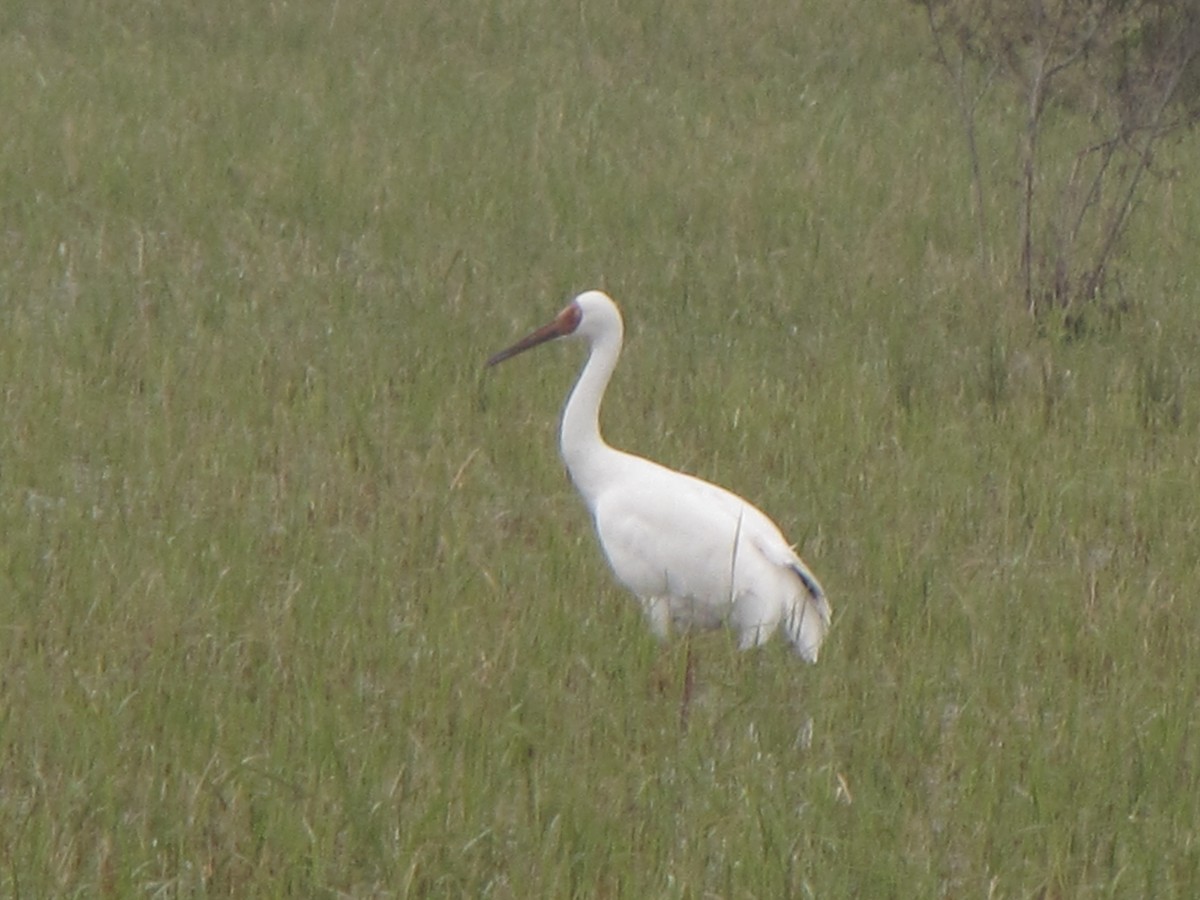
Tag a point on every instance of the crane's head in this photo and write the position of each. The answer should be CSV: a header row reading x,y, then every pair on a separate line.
x,y
592,315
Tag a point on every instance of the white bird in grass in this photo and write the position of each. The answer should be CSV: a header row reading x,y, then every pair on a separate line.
x,y
693,553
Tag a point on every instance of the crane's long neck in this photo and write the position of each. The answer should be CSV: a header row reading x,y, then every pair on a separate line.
x,y
584,450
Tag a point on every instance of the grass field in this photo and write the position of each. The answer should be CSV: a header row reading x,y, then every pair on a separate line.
x,y
298,603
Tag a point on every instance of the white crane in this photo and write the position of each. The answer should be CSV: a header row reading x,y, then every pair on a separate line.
x,y
693,553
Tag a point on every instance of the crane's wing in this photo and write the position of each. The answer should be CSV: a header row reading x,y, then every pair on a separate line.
x,y
667,534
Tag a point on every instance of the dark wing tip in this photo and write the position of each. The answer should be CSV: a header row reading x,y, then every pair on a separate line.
x,y
810,584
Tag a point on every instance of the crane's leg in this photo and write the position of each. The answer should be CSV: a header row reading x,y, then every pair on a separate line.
x,y
689,681
658,614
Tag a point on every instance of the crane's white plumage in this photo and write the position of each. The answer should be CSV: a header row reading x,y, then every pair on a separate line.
x,y
693,553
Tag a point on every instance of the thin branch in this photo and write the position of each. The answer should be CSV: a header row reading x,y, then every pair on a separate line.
x,y
1118,222
967,106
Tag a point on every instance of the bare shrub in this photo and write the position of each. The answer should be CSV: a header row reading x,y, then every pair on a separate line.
x,y
1128,75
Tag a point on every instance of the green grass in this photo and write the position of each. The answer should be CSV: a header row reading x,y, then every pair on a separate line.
x,y
296,602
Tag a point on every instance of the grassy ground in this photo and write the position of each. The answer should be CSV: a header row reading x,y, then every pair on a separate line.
x,y
297,603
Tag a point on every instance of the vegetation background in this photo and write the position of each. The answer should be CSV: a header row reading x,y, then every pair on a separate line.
x,y
296,603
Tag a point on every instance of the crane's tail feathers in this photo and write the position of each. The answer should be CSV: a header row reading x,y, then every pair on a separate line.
x,y
808,619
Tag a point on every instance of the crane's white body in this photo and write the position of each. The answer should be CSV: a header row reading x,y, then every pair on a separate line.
x,y
694,554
